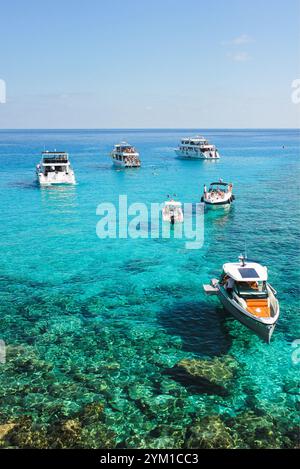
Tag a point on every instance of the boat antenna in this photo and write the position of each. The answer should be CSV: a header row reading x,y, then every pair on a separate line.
x,y
243,257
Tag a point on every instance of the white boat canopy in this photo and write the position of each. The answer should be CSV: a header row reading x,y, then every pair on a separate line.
x,y
198,138
123,144
173,203
250,272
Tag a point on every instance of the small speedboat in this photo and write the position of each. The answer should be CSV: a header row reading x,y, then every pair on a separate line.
x,y
244,291
219,193
172,212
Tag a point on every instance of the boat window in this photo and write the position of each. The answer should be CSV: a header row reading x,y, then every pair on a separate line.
x,y
257,289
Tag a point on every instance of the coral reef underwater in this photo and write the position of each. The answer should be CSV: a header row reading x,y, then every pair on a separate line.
x,y
73,378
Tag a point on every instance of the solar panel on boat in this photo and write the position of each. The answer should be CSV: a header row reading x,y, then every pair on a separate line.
x,y
248,273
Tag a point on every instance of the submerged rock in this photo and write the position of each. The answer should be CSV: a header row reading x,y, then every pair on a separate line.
x,y
210,433
5,429
219,371
85,430
26,434
262,431
140,392
92,412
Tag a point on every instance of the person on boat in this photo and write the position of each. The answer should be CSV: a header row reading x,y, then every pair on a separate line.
x,y
229,284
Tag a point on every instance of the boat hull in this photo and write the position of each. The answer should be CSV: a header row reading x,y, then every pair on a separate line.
x,y
56,179
221,203
167,217
217,204
262,329
198,155
123,164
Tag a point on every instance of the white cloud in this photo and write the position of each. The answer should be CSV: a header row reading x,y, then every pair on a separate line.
x,y
239,56
239,40
243,39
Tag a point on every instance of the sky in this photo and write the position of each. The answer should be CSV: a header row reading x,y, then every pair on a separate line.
x,y
149,63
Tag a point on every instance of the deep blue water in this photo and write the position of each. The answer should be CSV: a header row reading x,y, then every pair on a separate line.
x,y
107,321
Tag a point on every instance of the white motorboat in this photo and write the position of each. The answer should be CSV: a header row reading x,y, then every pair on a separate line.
x,y
197,148
219,193
125,156
244,291
172,212
55,168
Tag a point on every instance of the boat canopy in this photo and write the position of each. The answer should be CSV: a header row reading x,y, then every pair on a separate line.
x,y
46,152
173,203
194,139
220,183
124,144
250,272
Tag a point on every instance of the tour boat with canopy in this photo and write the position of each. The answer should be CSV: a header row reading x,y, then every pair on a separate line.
x,y
125,156
197,148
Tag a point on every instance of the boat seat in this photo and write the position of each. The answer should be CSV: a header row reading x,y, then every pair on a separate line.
x,y
259,307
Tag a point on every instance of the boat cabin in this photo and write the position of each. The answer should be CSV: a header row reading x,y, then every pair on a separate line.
x,y
124,148
194,141
247,284
54,161
173,204
220,187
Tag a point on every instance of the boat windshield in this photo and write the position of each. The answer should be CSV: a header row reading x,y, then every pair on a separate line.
x,y
218,189
55,159
173,208
54,169
255,289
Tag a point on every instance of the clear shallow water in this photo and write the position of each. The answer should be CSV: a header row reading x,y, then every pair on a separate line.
x,y
106,322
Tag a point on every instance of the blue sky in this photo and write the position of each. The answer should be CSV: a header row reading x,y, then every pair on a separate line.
x,y
129,63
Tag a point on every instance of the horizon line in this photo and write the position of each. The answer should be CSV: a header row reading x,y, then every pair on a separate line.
x,y
148,128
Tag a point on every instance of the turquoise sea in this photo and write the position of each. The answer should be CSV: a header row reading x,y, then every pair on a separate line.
x,y
113,343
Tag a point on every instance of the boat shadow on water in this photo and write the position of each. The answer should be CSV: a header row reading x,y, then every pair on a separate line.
x,y
203,330
24,185
201,326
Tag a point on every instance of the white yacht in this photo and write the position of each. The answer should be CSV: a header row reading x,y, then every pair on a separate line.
x,y
197,148
55,168
172,212
125,156
218,194
244,291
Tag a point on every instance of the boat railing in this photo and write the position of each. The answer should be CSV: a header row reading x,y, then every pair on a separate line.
x,y
55,160
272,289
